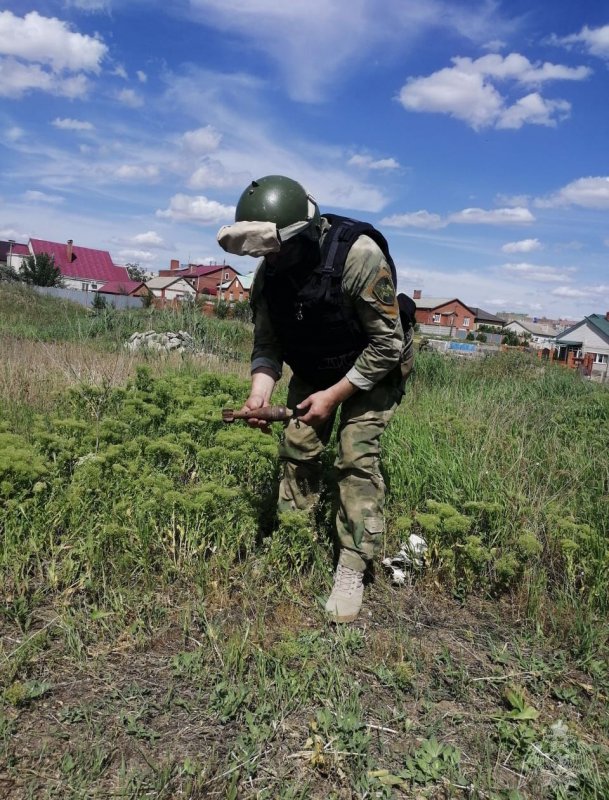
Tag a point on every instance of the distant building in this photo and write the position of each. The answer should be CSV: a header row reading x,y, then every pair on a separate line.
x,y
237,290
172,289
81,268
587,341
207,276
539,336
450,315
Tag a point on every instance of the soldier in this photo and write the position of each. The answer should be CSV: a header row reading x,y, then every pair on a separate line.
x,y
337,325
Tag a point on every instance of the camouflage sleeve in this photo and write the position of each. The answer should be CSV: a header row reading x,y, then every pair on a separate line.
x,y
368,282
267,351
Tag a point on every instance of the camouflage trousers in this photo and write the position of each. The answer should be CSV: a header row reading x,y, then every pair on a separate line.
x,y
363,418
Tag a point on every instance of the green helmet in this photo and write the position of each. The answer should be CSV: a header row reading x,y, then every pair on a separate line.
x,y
277,199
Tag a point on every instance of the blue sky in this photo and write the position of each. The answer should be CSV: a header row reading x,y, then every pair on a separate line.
x,y
473,134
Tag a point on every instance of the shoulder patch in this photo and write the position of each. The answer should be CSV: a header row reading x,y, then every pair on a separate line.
x,y
383,290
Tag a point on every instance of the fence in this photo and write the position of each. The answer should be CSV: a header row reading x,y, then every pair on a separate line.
x,y
87,298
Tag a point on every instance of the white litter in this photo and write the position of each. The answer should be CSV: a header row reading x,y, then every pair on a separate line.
x,y
411,557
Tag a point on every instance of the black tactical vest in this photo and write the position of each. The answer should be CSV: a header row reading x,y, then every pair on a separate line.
x,y
317,327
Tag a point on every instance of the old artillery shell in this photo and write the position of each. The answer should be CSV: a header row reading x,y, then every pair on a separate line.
x,y
268,413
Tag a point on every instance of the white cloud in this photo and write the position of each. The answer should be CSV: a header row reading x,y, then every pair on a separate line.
x,y
523,246
202,140
68,124
513,199
594,40
16,79
534,110
136,255
534,272
34,196
325,40
128,97
367,162
47,40
592,192
212,174
183,208
14,133
141,76
416,219
497,216
135,172
574,294
467,91
150,239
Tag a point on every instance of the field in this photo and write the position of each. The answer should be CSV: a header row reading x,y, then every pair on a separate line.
x,y
162,633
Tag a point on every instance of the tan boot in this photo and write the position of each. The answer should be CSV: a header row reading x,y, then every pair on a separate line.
x,y
345,601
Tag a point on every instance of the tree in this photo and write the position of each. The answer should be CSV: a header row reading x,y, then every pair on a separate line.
x,y
8,274
41,270
136,273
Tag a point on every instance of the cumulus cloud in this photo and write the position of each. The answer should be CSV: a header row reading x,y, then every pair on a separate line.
x,y
590,192
68,124
128,97
535,272
468,91
136,256
212,174
16,79
594,40
44,54
496,216
184,208
367,162
47,40
523,246
149,239
34,196
202,140
416,219
141,76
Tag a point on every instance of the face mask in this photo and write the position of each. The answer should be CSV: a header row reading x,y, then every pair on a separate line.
x,y
261,238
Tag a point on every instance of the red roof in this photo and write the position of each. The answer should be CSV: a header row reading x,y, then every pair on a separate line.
x,y
120,287
86,262
20,250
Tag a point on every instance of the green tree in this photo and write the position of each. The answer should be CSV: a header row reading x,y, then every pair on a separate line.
x,y
8,274
136,273
41,270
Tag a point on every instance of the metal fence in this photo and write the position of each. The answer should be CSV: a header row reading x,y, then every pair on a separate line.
x,y
87,298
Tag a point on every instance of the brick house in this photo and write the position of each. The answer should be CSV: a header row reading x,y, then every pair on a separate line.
x,y
207,277
81,268
237,290
444,312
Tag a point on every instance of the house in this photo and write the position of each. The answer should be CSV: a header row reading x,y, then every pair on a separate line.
x,y
13,254
482,317
237,290
132,288
168,290
539,336
587,342
208,276
447,314
81,267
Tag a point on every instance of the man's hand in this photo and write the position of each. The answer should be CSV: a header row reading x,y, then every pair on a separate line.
x,y
253,402
319,406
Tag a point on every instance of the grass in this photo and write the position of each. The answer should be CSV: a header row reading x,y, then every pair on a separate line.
x,y
162,634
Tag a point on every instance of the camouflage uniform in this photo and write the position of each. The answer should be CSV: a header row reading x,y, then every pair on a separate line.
x,y
379,373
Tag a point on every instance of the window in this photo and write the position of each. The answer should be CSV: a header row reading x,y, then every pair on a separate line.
x,y
466,322
437,318
227,276
601,358
84,287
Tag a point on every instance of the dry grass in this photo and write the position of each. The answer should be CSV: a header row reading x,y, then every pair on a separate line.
x,y
33,373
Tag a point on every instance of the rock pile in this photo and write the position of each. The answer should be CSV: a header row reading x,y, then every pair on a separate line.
x,y
180,342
